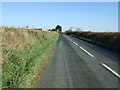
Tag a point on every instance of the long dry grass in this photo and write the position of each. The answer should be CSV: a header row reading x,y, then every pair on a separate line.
x,y
23,53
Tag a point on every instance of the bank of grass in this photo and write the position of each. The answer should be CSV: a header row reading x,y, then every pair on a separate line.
x,y
1,31
108,40
24,53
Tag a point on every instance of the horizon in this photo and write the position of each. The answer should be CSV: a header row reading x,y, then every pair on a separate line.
x,y
92,16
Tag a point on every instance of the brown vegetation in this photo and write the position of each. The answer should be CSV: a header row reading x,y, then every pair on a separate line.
x,y
24,52
108,39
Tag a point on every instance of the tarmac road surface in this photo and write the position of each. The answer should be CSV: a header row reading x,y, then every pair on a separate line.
x,y
79,64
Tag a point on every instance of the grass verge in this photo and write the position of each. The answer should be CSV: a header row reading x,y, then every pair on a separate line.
x,y
24,53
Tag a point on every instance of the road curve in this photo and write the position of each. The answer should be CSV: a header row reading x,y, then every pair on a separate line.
x,y
79,64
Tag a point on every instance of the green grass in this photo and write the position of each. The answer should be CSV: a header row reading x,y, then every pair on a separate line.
x,y
24,64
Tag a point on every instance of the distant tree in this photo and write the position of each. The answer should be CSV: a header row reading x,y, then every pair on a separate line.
x,y
26,26
70,29
78,29
53,29
49,30
58,28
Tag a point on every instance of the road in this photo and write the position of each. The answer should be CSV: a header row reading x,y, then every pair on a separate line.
x,y
79,64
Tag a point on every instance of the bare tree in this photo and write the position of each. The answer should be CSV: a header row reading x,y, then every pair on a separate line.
x,y
70,29
78,29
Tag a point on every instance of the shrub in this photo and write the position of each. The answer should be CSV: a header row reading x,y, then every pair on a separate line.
x,y
107,39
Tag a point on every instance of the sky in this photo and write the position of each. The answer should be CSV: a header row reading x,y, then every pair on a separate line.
x,y
90,16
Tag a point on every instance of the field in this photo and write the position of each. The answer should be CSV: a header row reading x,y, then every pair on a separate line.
x,y
106,39
24,52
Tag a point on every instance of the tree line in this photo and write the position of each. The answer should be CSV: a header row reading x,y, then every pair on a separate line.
x,y
58,28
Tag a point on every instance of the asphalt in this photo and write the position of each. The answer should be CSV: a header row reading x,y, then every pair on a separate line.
x,y
79,64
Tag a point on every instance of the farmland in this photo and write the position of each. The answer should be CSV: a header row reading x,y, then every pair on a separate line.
x,y
106,39
24,52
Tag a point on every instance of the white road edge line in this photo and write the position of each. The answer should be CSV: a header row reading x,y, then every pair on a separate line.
x,y
111,70
86,52
75,43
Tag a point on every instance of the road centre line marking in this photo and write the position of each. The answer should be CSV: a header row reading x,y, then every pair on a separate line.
x,y
86,52
104,65
67,37
75,43
111,70
70,40
81,48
